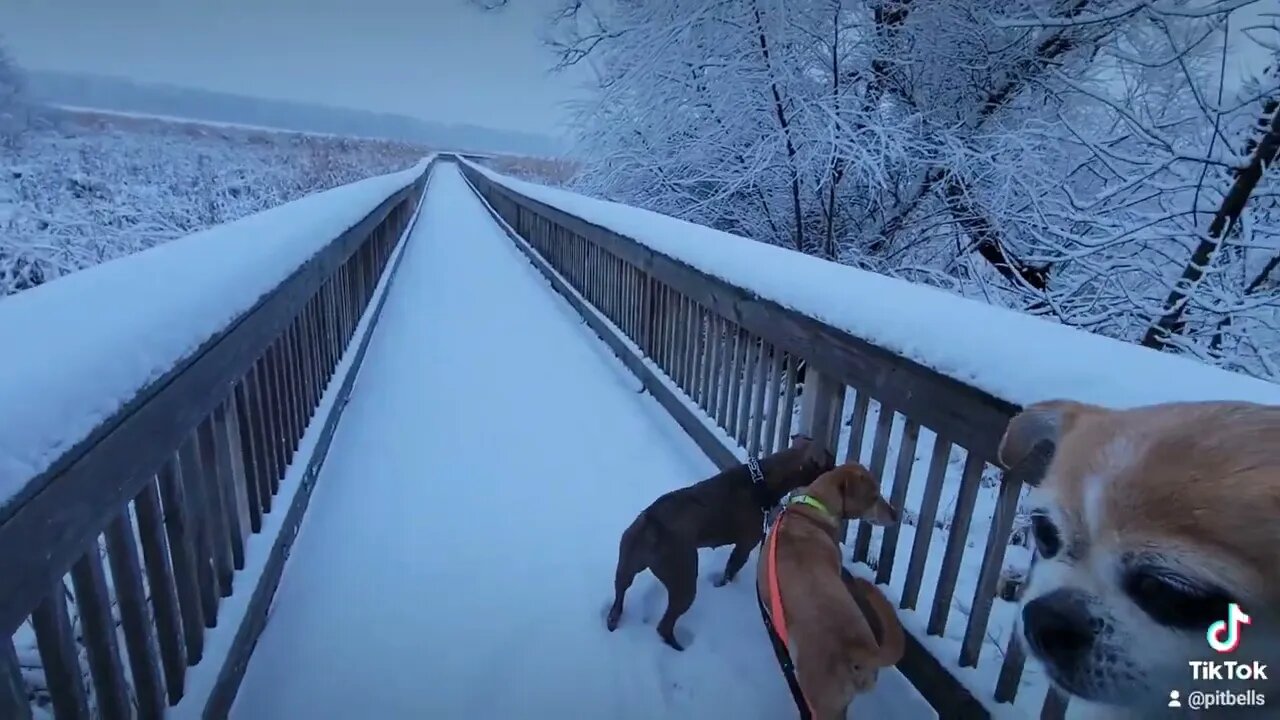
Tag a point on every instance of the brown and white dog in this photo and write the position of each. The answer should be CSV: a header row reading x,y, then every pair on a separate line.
x,y
830,640
1149,523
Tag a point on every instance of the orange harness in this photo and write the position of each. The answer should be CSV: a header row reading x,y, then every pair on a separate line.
x,y
775,620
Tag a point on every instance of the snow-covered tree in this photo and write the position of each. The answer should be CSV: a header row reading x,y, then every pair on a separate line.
x,y
13,104
1103,163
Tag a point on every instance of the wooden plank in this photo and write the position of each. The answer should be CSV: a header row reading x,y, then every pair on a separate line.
x,y
820,408
135,619
163,591
728,348
246,408
697,347
898,498
736,372
957,538
938,463
182,540
759,388
261,428
857,427
229,475
746,390
59,656
13,692
210,586
93,604
1055,705
683,350
984,594
297,388
276,403
213,508
698,382
1015,658
786,410
879,456
315,390
773,390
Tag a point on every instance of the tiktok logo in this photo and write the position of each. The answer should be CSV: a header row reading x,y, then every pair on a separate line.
x,y
1224,635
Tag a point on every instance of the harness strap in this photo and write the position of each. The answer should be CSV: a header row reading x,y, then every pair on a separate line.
x,y
775,621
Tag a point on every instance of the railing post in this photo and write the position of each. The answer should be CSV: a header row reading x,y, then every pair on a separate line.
x,y
821,401
821,404
13,694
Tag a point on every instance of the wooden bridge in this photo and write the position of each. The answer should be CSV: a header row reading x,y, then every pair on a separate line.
x,y
469,455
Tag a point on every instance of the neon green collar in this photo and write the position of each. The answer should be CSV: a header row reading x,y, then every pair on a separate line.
x,y
811,502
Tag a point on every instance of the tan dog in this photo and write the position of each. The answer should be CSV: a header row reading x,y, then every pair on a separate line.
x,y
1149,523
830,641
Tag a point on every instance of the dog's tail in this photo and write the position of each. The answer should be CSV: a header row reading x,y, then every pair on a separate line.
x,y
634,547
893,640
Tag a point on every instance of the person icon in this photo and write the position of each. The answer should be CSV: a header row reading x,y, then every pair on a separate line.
x,y
1173,699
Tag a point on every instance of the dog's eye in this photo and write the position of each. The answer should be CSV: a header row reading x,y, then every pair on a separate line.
x,y
1048,540
1175,601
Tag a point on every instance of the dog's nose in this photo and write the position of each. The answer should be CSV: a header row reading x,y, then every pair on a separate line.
x,y
1059,626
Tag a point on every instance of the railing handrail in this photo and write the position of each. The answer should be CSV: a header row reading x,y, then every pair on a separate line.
x,y
74,499
902,383
10,503
1140,375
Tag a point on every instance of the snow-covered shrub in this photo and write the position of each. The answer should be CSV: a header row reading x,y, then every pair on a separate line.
x,y
83,188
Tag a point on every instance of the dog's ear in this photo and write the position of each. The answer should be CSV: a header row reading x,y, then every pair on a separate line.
x,y
1032,437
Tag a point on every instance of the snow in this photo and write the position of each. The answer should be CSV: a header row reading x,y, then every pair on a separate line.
x,y
80,188
1011,355
202,677
82,346
458,554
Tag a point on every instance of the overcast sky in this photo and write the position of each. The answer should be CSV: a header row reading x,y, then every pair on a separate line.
x,y
436,59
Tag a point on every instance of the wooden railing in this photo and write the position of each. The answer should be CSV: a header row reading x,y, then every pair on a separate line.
x,y
736,357
169,489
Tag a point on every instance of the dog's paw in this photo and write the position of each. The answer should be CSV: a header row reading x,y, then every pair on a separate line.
x,y
679,640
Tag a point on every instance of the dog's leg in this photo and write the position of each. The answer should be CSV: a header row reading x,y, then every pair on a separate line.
x,y
629,565
737,559
678,571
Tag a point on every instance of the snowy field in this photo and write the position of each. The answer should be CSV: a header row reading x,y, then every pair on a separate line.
x,y
457,557
80,188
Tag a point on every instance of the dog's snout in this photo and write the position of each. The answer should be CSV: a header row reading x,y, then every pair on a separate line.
x,y
1059,627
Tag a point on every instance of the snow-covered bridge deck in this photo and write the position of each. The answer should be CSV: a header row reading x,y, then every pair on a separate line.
x,y
457,556
351,456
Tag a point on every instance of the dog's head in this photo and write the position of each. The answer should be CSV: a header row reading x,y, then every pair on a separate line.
x,y
1148,523
859,495
804,461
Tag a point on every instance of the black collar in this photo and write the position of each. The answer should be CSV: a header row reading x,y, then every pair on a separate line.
x,y
766,497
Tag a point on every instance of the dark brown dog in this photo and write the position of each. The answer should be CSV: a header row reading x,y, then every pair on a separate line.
x,y
727,509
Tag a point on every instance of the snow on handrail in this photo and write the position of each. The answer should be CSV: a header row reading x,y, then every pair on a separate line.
x,y
79,348
1013,356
